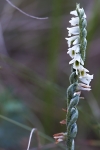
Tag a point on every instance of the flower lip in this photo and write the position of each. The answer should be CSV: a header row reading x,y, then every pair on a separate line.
x,y
73,52
82,73
77,63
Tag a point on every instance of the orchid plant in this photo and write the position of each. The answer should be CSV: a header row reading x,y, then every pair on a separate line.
x,y
77,50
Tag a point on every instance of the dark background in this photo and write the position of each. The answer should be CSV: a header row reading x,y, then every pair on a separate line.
x,y
34,74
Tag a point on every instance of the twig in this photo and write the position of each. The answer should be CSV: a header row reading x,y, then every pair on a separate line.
x,y
25,13
32,131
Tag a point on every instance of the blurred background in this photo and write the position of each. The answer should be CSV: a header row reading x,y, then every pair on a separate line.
x,y
34,74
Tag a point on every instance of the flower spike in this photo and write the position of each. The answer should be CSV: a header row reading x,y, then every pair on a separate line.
x,y
77,51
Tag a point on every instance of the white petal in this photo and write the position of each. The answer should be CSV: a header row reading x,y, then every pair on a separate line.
x,y
73,30
72,53
89,76
78,48
73,50
76,41
74,21
75,47
86,70
74,12
76,58
82,68
82,71
84,80
71,39
72,61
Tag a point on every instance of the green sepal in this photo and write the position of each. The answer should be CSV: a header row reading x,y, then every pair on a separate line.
x,y
83,23
73,118
84,33
73,102
73,78
73,130
81,13
70,92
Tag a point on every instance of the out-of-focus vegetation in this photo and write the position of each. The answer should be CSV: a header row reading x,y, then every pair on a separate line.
x,y
34,74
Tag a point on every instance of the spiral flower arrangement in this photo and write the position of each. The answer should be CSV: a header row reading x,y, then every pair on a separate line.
x,y
77,50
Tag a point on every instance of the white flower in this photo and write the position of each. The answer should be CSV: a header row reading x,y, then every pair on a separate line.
x,y
73,30
77,58
72,53
73,50
73,40
87,79
76,41
77,61
82,71
76,48
74,21
82,86
74,12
